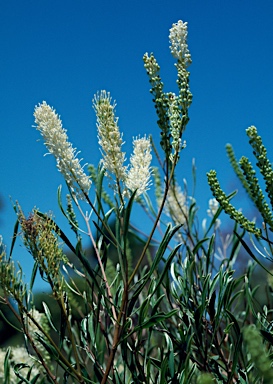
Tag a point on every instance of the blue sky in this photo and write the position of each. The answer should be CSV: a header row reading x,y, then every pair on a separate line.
x,y
63,52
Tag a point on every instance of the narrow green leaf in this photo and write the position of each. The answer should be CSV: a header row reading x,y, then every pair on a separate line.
x,y
59,199
155,319
213,221
128,214
171,355
268,336
33,275
48,315
8,322
167,266
14,237
163,370
143,311
235,322
252,254
199,244
157,303
7,367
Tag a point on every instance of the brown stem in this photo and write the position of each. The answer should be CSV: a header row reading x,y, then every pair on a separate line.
x,y
116,335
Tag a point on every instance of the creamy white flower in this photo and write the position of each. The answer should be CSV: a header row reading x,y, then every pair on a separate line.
x,y
56,141
175,125
151,66
178,39
40,318
139,174
109,136
176,205
18,355
2,359
213,207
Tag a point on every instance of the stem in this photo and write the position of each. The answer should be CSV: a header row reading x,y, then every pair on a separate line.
x,y
100,262
60,356
116,335
154,226
71,336
125,292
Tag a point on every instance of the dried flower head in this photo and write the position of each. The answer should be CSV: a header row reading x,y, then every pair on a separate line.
x,y
11,276
41,240
56,141
109,136
178,39
139,174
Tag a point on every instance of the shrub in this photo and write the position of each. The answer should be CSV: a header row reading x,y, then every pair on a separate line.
x,y
159,308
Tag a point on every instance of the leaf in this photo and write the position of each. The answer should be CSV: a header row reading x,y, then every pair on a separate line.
x,y
170,232
236,354
213,221
100,230
155,320
8,322
167,266
198,245
251,253
157,303
210,252
48,315
268,336
171,354
14,237
163,369
33,275
128,214
143,312
235,322
7,366
99,181
211,309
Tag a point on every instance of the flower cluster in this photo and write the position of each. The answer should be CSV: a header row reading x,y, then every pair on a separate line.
x,y
178,39
35,317
18,354
213,208
110,140
41,239
258,353
223,200
176,205
176,126
139,174
11,276
39,318
56,141
109,136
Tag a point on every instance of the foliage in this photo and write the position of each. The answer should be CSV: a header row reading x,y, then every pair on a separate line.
x,y
159,308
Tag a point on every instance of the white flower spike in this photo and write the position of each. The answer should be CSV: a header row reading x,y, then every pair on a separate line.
x,y
139,174
109,136
178,39
56,141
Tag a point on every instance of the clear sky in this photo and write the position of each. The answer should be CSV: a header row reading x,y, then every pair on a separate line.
x,y
63,52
